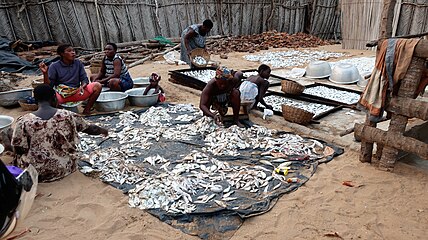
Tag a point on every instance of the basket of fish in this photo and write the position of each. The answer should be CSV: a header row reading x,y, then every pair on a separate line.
x,y
28,106
199,57
292,87
296,115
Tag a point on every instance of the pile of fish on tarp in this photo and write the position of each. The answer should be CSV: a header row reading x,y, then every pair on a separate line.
x,y
197,176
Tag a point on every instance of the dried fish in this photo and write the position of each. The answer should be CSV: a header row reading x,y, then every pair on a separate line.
x,y
278,101
203,75
291,58
333,94
200,60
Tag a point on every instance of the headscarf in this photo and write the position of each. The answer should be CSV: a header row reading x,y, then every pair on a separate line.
x,y
223,73
155,77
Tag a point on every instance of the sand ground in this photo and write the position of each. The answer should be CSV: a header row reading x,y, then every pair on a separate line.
x,y
382,205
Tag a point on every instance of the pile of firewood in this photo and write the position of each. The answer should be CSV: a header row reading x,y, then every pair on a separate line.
x,y
264,41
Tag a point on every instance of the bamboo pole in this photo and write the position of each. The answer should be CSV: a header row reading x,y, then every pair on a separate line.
x,y
90,24
78,22
65,25
99,24
28,20
140,16
396,18
10,24
129,22
47,22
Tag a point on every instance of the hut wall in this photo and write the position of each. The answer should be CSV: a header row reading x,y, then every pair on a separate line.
x,y
411,17
325,19
77,21
361,20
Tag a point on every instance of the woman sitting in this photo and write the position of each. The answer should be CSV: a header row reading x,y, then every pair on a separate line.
x,y
68,77
113,73
47,138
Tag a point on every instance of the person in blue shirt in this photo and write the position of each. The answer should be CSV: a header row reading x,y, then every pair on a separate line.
x,y
68,78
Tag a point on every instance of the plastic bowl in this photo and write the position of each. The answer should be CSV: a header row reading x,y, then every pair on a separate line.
x,y
136,97
318,69
141,82
5,121
362,82
111,101
345,73
71,106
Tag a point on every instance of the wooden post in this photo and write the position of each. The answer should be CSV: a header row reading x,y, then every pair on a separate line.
x,y
398,122
387,18
366,147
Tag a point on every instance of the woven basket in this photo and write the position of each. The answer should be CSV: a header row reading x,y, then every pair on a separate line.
x,y
27,106
199,52
296,115
36,83
292,87
95,67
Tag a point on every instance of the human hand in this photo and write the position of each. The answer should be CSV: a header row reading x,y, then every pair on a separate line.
x,y
81,89
104,132
218,120
43,67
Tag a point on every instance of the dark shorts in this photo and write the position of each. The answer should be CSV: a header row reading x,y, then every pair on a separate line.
x,y
126,82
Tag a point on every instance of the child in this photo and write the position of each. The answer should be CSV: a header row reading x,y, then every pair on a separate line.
x,y
154,84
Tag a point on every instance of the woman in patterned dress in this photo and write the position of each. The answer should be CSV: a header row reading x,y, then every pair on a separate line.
x,y
47,138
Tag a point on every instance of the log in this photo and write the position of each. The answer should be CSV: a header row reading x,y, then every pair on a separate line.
x,y
366,146
398,122
421,49
392,139
88,56
387,16
152,56
409,107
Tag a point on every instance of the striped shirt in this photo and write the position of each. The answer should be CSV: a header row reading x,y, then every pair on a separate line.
x,y
110,66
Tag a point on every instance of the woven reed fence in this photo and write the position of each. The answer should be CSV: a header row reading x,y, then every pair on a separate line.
x,y
411,17
89,23
325,19
361,20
